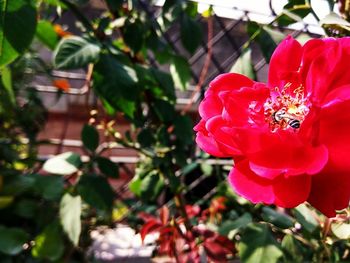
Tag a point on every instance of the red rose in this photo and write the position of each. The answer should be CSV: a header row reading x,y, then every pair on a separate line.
x,y
291,136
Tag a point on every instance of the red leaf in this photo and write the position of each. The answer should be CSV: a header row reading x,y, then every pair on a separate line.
x,y
146,217
164,215
214,251
149,227
192,210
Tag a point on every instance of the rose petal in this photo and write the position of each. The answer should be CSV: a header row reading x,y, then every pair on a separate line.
x,y
223,135
282,191
210,107
282,152
285,59
334,132
206,142
330,190
228,81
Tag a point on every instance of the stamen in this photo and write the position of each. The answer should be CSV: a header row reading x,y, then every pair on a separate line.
x,y
286,110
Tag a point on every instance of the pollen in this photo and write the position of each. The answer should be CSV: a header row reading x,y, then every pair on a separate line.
x,y
286,108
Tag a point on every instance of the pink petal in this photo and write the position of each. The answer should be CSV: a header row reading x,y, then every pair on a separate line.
x,y
210,107
206,142
223,135
285,59
229,81
282,191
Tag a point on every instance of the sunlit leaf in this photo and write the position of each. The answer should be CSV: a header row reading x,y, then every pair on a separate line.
x,y
70,212
63,164
243,65
75,52
49,244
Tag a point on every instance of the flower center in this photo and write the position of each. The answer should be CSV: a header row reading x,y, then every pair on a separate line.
x,y
286,110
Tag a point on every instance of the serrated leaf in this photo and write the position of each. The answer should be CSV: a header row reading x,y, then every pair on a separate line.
x,y
75,52
12,240
63,164
90,137
70,212
243,65
257,245
17,28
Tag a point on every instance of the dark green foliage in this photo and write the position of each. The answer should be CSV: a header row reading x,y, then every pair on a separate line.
x,y
57,202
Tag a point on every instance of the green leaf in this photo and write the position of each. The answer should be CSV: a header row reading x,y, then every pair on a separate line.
x,y
12,240
334,19
70,212
133,35
49,244
151,186
135,185
181,72
278,219
294,11
292,248
96,191
305,217
243,65
17,28
165,81
63,164
183,128
116,83
207,169
46,34
26,208
145,138
16,185
6,77
341,230
257,245
164,110
75,52
90,137
191,33
107,167
267,38
231,227
49,187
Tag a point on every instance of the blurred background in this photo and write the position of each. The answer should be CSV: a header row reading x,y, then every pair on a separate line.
x,y
98,161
